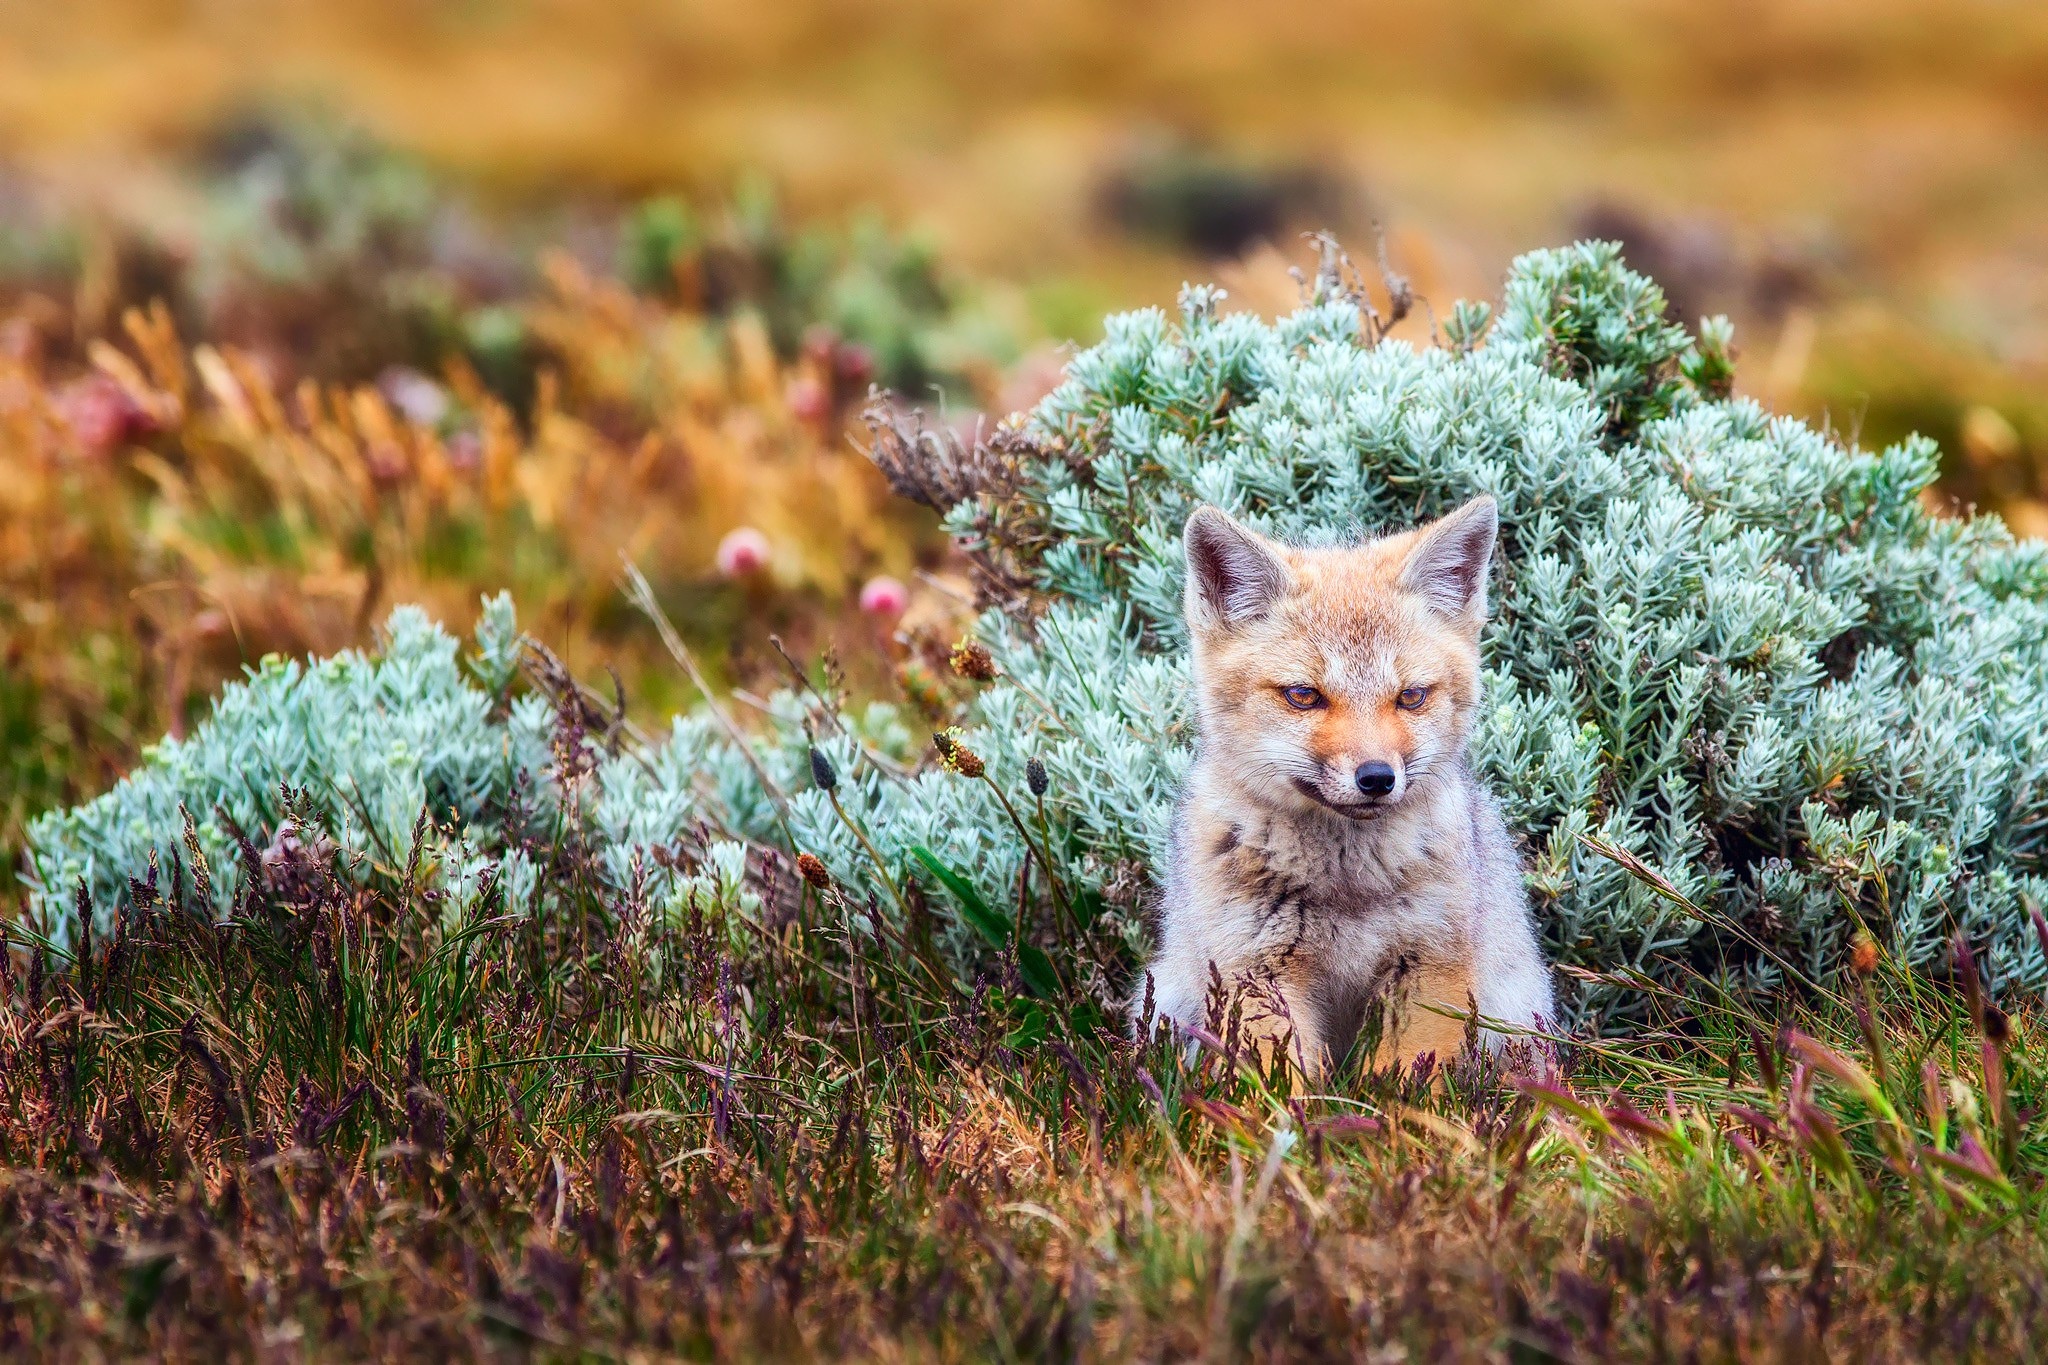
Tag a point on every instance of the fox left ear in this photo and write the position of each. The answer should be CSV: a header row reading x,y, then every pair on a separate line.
x,y
1233,574
1448,565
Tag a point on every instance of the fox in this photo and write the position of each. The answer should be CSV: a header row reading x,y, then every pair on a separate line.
x,y
1332,850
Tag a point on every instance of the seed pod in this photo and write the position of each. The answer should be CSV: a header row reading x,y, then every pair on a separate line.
x,y
813,870
971,659
1034,776
822,771
1863,955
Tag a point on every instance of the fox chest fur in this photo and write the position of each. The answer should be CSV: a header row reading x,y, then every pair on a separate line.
x,y
1330,914
1302,888
1332,847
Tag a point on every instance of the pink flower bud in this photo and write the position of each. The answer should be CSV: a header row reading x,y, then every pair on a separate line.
x,y
743,552
100,414
423,402
386,462
855,363
808,400
884,596
465,451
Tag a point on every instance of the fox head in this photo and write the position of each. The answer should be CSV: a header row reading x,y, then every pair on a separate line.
x,y
1339,678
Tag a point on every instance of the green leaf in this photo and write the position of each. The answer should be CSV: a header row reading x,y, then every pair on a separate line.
x,y
995,926
1084,1018
991,923
1030,1031
1037,970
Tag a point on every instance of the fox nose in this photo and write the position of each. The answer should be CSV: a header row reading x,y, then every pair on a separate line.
x,y
1375,778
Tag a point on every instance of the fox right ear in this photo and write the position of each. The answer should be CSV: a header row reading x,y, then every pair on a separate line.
x,y
1233,574
1448,565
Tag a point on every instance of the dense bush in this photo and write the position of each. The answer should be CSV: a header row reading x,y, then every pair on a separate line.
x,y
1726,645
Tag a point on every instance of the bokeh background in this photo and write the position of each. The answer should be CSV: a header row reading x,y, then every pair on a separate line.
x,y
309,308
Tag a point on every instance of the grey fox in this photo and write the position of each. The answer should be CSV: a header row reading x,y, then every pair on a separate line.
x,y
1332,846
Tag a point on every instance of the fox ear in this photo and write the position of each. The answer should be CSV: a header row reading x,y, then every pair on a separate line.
x,y
1447,567
1233,575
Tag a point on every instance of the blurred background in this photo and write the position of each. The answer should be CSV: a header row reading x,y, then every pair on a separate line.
x,y
307,309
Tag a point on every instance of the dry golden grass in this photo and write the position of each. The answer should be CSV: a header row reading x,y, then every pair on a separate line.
x,y
1476,114
513,1136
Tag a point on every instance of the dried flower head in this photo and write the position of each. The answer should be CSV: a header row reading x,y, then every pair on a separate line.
x,y
971,659
958,756
1863,955
822,771
812,868
1034,776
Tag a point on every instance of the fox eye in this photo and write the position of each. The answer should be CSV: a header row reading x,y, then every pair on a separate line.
x,y
1411,698
1302,697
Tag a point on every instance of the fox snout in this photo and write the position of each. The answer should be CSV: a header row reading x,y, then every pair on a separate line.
x,y
1358,788
1362,752
1376,778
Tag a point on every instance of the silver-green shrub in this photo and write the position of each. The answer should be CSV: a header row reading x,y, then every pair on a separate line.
x,y
1725,643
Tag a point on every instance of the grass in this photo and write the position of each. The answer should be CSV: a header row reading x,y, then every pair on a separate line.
x,y
355,1119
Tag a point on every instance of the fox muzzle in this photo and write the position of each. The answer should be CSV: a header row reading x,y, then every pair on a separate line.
x,y
1376,778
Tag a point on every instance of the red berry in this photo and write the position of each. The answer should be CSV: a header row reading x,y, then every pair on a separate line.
x,y
100,414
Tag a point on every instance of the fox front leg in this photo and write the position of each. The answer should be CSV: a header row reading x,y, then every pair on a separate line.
x,y
1521,1001
1428,1011
1286,1023
1275,1017
1510,984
